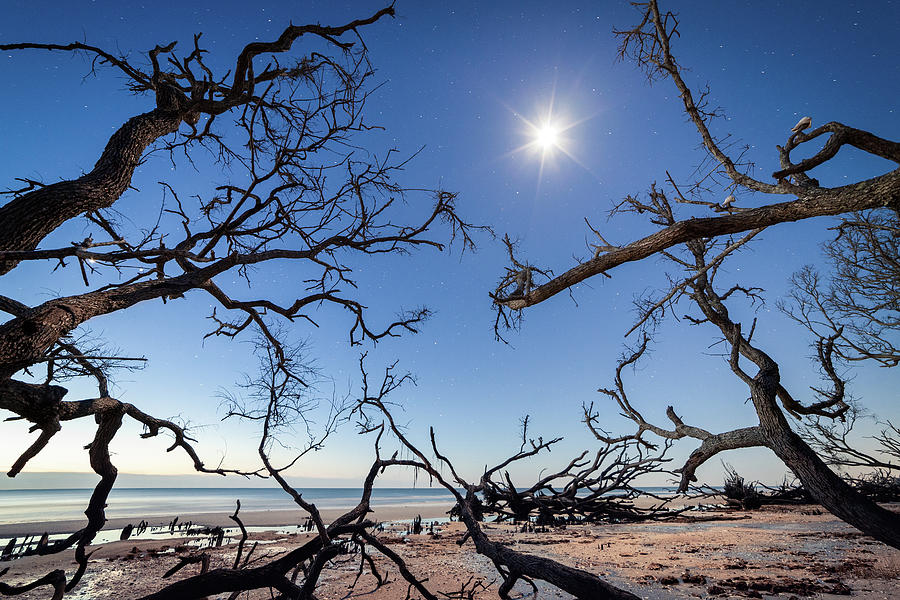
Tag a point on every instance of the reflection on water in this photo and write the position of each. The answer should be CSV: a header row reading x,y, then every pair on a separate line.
x,y
24,506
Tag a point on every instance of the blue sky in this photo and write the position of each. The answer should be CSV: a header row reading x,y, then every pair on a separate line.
x,y
461,82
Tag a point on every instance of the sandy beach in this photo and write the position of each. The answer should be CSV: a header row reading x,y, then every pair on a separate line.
x,y
786,552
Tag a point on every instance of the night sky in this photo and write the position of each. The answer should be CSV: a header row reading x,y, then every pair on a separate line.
x,y
462,84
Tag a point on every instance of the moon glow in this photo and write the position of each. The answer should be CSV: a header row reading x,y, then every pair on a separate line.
x,y
547,137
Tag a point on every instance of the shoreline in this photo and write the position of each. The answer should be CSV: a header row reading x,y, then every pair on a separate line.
x,y
275,518
254,518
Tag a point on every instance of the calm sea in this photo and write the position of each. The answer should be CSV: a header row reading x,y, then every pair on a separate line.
x,y
24,506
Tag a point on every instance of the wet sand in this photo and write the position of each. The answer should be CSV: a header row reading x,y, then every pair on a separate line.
x,y
777,552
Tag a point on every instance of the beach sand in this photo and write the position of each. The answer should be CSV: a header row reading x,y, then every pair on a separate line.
x,y
781,552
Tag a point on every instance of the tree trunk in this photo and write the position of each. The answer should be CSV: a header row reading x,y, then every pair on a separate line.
x,y
823,484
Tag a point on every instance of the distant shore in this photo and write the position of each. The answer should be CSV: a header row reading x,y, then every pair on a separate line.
x,y
256,518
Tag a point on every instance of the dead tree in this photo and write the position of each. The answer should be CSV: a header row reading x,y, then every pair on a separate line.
x,y
287,121
513,566
832,441
751,495
594,488
699,246
278,401
857,307
702,259
860,297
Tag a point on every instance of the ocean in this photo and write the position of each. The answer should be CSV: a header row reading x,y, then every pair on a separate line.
x,y
24,506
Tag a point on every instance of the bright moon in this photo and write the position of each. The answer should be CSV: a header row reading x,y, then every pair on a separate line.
x,y
547,137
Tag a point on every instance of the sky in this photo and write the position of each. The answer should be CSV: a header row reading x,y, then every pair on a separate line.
x,y
458,85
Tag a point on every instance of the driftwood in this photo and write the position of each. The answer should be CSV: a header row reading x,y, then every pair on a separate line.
x,y
588,489
511,565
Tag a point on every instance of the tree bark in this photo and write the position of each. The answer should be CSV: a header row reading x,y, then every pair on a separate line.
x,y
581,584
24,339
823,484
28,219
747,437
220,581
878,192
